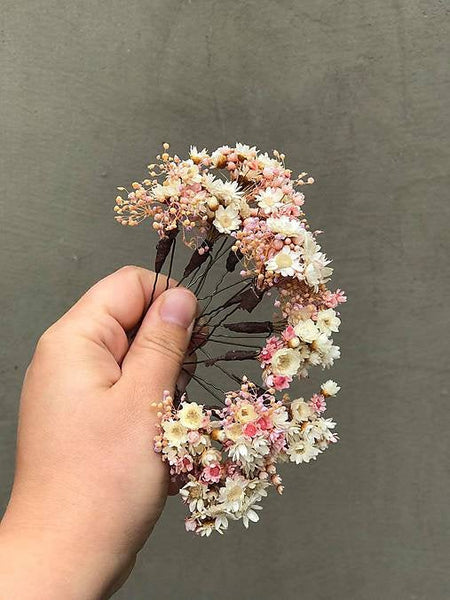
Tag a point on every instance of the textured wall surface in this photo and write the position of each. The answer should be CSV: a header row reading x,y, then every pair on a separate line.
x,y
357,93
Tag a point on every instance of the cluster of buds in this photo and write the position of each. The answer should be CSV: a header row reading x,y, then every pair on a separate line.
x,y
224,460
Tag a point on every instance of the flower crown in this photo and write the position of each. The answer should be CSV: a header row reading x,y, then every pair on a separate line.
x,y
240,207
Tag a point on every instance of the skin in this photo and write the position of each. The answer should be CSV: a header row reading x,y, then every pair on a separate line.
x,y
88,488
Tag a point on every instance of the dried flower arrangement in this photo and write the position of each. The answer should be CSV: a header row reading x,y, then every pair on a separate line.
x,y
240,207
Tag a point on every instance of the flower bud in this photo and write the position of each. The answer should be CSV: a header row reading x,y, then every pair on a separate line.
x,y
210,456
213,203
294,342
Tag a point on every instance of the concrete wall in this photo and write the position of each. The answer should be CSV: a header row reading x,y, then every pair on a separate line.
x,y
355,92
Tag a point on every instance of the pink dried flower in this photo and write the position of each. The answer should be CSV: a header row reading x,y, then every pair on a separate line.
x,y
250,430
318,403
211,473
272,345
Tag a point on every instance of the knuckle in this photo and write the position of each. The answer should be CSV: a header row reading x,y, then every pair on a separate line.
x,y
134,272
48,346
47,340
130,269
138,277
161,344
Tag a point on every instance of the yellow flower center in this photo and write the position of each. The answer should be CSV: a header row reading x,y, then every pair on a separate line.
x,y
246,413
283,260
235,493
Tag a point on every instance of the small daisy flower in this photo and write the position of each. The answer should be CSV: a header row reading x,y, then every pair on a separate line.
x,y
191,415
285,362
302,452
328,321
285,226
226,219
175,433
286,263
330,388
270,199
307,331
301,410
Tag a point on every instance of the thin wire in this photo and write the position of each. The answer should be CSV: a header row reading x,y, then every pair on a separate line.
x,y
232,376
153,290
212,340
226,288
194,281
171,262
203,342
204,277
221,307
201,383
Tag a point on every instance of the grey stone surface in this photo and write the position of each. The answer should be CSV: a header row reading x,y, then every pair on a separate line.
x,y
357,93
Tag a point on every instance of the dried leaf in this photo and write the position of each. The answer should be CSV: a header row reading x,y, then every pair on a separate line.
x,y
232,260
249,299
197,259
163,248
250,326
234,355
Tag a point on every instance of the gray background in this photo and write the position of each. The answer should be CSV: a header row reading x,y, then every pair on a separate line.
x,y
357,93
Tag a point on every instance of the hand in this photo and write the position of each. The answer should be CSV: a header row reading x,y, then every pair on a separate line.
x,y
88,487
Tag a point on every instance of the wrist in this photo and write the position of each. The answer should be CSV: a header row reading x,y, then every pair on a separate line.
x,y
38,563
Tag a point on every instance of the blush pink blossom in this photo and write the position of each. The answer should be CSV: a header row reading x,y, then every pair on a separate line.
x,y
194,437
211,473
289,333
184,464
264,423
250,430
279,382
318,403
278,440
272,345
190,524
332,299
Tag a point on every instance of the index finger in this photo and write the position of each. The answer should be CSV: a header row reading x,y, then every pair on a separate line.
x,y
113,306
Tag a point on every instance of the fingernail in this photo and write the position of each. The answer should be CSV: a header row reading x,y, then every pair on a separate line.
x,y
179,306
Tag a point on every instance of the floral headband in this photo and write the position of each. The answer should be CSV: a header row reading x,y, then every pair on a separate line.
x,y
240,212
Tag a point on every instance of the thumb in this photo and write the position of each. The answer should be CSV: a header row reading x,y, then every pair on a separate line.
x,y
155,357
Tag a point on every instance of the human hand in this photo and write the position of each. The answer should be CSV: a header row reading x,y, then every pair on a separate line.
x,y
88,487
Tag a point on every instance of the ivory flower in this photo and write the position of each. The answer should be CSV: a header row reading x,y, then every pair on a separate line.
x,y
197,156
316,273
246,413
229,192
302,451
245,150
232,494
288,227
301,410
234,431
270,199
328,321
175,433
226,219
212,184
307,330
330,388
286,262
286,362
191,415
